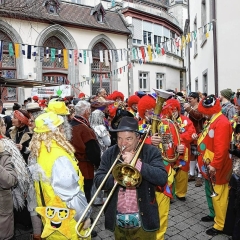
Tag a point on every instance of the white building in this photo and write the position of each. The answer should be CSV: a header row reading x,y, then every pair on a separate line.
x,y
97,39
214,62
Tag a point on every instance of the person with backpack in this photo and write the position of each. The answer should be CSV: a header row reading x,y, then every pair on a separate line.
x,y
228,109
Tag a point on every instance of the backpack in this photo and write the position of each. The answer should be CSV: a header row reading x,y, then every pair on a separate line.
x,y
23,175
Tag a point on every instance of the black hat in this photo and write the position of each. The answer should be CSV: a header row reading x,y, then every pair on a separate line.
x,y
127,124
193,95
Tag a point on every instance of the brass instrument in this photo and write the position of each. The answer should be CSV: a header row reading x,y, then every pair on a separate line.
x,y
162,96
206,163
132,178
169,155
126,174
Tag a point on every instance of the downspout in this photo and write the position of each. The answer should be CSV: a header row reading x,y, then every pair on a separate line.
x,y
215,55
189,63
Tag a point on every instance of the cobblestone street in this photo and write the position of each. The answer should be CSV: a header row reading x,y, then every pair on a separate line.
x,y
184,220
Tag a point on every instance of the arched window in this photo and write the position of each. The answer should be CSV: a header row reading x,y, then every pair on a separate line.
x,y
53,69
7,65
7,69
100,72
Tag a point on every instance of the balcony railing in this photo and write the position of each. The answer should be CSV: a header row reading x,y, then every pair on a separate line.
x,y
157,12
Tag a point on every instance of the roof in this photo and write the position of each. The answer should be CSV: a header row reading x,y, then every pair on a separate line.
x,y
7,82
69,14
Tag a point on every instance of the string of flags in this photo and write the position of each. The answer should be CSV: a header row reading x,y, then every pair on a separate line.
x,y
84,56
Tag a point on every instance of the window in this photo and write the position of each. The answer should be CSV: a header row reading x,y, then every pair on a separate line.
x,y
157,39
143,77
136,41
204,20
159,80
195,41
147,38
196,85
205,82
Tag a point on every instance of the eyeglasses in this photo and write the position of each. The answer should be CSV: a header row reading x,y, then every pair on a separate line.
x,y
63,213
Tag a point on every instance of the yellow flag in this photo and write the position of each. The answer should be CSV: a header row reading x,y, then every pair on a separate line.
x,y
17,48
149,53
183,42
65,58
207,34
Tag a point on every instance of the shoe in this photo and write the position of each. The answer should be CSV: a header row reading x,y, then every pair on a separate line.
x,y
183,199
93,233
213,232
207,219
191,178
198,182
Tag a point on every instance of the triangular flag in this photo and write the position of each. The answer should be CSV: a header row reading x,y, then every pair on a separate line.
x,y
17,48
84,56
65,58
59,55
70,55
149,49
23,49
90,57
80,56
101,55
47,52
34,51
106,57
10,49
75,52
53,53
29,51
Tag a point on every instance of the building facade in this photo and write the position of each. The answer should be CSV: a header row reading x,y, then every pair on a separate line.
x,y
214,55
126,46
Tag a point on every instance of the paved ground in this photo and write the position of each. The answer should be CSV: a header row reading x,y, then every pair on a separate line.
x,y
184,220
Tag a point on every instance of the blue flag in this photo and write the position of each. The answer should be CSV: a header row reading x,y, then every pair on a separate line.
x,y
113,3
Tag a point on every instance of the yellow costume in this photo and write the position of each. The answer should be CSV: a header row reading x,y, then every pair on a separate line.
x,y
60,197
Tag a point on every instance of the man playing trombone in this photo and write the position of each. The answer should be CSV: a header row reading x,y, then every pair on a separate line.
x,y
214,161
132,211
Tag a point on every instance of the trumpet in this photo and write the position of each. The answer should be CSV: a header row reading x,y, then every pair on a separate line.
x,y
125,174
206,163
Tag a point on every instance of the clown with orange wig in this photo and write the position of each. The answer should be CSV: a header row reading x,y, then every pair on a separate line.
x,y
133,104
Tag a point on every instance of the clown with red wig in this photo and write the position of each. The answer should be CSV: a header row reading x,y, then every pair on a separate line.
x,y
213,145
133,105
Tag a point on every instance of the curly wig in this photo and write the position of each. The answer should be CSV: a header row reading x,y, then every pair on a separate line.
x,y
134,99
145,103
169,106
47,138
116,95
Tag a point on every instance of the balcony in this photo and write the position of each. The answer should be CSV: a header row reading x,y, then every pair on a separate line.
x,y
160,12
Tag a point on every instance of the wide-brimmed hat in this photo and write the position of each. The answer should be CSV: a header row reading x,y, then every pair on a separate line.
x,y
129,124
58,107
33,107
47,122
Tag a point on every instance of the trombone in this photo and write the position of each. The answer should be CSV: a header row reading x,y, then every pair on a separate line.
x,y
125,174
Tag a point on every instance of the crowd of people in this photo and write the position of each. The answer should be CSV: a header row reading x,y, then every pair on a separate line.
x,y
55,154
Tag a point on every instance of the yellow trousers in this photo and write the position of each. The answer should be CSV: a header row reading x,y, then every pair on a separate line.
x,y
181,183
220,203
163,202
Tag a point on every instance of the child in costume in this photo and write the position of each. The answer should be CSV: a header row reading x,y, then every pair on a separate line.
x,y
58,182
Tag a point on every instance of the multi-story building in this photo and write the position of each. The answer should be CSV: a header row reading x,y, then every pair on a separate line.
x,y
63,43
125,46
214,59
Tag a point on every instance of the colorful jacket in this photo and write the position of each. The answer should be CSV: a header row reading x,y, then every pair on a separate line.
x,y
213,146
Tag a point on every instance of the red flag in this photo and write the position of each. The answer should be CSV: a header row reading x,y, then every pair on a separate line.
x,y
143,53
129,65
163,51
120,70
75,57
